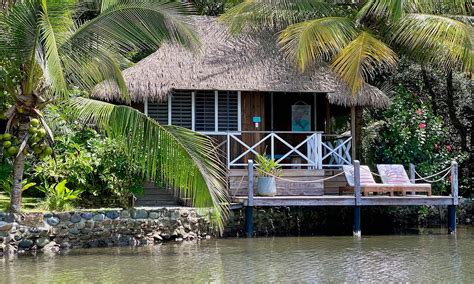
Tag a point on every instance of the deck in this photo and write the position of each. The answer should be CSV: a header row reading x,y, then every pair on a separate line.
x,y
305,187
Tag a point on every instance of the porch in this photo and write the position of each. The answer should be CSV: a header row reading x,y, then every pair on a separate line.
x,y
304,156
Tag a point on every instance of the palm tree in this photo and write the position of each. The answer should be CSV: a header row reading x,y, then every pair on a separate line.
x,y
55,51
359,40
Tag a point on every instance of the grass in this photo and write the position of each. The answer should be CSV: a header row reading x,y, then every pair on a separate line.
x,y
28,203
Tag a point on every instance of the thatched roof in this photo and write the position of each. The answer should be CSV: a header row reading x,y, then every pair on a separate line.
x,y
226,62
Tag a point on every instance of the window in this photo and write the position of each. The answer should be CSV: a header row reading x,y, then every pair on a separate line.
x,y
181,109
203,111
228,109
158,111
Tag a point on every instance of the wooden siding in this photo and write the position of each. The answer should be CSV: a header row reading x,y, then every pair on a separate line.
x,y
238,182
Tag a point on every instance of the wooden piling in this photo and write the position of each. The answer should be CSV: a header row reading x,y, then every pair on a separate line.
x,y
412,176
357,226
454,195
249,207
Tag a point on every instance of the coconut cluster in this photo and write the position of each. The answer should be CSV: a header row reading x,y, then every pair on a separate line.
x,y
36,142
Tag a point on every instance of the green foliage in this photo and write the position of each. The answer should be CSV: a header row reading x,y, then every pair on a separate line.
x,y
214,7
90,162
360,40
58,196
410,133
175,155
267,167
7,185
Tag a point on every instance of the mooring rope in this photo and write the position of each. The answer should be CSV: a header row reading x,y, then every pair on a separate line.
x,y
433,175
426,179
303,181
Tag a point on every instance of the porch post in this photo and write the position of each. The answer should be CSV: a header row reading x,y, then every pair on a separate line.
x,y
353,132
249,205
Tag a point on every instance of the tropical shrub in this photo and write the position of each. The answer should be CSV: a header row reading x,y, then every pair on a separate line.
x,y
409,133
90,162
58,196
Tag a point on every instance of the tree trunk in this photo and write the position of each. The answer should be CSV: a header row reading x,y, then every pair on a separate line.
x,y
457,124
18,168
427,82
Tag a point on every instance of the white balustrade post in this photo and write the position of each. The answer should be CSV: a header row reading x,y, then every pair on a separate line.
x,y
228,150
319,150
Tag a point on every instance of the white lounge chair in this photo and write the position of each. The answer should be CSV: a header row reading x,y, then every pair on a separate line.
x,y
396,175
367,182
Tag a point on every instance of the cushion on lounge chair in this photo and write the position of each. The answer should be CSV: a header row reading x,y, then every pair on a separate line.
x,y
365,175
393,174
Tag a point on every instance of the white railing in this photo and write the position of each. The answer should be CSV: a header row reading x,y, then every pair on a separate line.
x,y
312,150
336,151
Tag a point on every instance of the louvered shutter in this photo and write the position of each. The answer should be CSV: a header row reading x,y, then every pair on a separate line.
x,y
159,112
205,111
228,118
181,109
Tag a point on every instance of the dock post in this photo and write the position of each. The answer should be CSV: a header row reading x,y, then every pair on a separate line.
x,y
249,205
356,231
412,176
454,194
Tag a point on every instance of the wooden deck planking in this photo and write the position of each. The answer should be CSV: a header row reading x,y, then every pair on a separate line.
x,y
331,200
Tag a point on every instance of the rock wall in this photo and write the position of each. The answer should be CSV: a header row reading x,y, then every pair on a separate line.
x,y
21,233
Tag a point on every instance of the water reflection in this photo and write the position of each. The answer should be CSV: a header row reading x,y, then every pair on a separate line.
x,y
434,257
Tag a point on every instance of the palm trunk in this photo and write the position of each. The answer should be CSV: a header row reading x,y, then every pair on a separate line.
x,y
18,168
455,121
428,83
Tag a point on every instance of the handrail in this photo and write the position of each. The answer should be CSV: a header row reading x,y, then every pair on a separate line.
x,y
314,151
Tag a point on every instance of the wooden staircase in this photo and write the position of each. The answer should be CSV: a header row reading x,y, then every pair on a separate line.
x,y
156,197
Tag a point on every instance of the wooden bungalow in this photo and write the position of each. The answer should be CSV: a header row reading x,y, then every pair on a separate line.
x,y
245,93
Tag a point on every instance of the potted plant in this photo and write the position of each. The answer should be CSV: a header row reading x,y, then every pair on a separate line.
x,y
267,170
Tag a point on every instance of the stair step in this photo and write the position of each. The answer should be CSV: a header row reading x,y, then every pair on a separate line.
x,y
154,203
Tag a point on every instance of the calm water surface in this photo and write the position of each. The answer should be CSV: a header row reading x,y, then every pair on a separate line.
x,y
429,257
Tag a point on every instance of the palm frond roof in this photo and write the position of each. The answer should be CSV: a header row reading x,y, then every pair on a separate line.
x,y
247,62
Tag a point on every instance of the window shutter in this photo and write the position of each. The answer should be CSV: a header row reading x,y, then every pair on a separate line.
x,y
181,109
159,112
228,111
205,111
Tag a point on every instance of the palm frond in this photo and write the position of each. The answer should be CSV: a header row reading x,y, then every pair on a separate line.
x,y
18,31
388,10
435,39
361,59
182,158
275,13
134,25
86,67
439,7
52,67
316,40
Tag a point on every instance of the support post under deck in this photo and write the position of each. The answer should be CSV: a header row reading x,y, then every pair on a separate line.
x,y
454,195
357,226
249,207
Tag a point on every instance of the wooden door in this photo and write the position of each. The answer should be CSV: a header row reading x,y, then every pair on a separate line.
x,y
253,104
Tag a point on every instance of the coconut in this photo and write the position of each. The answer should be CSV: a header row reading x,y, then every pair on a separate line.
x,y
34,122
12,150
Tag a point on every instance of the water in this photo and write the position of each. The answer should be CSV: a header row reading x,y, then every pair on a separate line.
x,y
415,258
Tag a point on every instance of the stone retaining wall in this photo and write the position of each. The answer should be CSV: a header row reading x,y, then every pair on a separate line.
x,y
56,231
